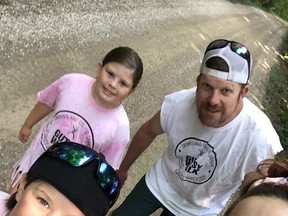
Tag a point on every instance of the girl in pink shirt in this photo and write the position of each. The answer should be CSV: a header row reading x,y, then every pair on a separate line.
x,y
84,110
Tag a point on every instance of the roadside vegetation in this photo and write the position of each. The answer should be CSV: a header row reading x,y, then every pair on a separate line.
x,y
276,105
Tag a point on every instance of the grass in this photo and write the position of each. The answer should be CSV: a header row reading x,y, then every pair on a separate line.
x,y
277,97
277,102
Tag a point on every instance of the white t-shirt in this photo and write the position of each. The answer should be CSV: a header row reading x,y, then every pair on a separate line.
x,y
203,166
3,199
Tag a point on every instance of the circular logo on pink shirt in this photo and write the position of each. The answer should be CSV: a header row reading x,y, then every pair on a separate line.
x,y
67,126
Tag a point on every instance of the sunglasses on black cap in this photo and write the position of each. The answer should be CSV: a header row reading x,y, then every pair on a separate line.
x,y
236,47
78,155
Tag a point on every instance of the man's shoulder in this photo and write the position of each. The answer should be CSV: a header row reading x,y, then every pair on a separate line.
x,y
257,119
182,93
252,110
180,100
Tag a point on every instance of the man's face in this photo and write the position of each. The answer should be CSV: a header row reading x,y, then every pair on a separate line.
x,y
218,101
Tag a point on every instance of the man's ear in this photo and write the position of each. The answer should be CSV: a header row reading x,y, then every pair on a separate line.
x,y
20,188
244,91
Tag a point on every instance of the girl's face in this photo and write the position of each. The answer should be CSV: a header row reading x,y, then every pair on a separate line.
x,y
113,84
260,205
40,198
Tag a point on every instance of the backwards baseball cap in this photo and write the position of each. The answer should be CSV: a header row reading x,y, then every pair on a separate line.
x,y
81,174
235,54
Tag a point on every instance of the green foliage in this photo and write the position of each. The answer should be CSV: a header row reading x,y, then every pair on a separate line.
x,y
284,47
276,102
278,7
283,156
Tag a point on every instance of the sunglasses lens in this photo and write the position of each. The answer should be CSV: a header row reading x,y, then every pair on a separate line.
x,y
107,179
239,49
72,154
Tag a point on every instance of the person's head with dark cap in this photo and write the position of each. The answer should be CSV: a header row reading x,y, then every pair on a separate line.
x,y
69,178
222,83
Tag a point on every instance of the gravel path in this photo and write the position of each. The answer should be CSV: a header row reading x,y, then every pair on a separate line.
x,y
41,40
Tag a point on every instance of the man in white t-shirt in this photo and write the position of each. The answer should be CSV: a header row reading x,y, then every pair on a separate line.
x,y
215,136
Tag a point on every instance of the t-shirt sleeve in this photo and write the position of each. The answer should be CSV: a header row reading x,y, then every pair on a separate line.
x,y
114,154
48,95
169,103
3,199
115,151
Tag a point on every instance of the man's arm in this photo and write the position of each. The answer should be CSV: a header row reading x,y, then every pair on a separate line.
x,y
142,139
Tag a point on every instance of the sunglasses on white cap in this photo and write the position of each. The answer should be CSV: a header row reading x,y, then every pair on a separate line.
x,y
236,47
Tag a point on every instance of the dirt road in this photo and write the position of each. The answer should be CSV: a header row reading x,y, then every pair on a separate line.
x,y
41,40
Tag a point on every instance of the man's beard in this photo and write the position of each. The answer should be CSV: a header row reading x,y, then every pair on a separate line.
x,y
209,119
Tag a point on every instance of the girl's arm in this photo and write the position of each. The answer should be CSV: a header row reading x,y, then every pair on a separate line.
x,y
39,111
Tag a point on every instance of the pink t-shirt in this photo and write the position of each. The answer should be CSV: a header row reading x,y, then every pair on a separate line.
x,y
76,117
3,199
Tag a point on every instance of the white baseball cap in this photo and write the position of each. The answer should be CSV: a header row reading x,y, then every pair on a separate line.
x,y
235,55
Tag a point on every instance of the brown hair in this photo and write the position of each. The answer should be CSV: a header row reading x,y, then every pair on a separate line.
x,y
11,202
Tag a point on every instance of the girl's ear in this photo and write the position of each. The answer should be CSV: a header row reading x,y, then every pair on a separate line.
x,y
99,65
20,188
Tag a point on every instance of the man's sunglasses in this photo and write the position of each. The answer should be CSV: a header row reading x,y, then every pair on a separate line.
x,y
236,47
78,155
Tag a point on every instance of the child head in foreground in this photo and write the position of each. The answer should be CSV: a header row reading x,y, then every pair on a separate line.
x,y
67,179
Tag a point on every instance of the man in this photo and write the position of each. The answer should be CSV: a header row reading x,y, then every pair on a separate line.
x,y
215,136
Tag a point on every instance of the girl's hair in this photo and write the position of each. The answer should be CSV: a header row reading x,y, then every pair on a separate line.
x,y
277,191
277,168
127,57
11,202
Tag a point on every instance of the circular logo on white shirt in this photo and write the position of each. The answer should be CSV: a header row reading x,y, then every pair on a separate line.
x,y
197,160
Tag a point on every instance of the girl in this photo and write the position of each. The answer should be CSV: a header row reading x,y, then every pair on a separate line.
x,y
264,191
49,186
84,110
265,199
